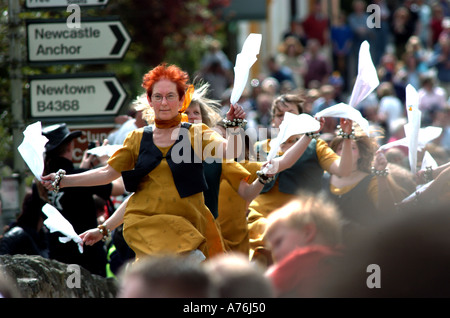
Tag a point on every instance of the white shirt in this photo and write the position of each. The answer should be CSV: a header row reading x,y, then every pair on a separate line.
x,y
117,137
391,108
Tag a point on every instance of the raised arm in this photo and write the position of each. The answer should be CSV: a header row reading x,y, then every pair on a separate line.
x,y
343,166
291,155
435,192
438,187
421,175
294,153
234,121
386,198
250,191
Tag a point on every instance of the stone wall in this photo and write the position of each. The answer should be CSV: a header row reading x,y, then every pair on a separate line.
x,y
38,277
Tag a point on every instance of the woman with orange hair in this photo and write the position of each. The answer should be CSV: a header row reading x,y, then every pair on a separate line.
x,y
162,167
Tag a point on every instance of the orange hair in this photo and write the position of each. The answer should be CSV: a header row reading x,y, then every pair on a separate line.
x,y
170,72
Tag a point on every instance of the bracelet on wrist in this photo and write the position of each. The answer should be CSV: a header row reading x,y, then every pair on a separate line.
x,y
263,178
380,173
313,135
236,122
345,135
104,231
59,176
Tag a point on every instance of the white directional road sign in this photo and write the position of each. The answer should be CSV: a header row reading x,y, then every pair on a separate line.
x,y
35,4
96,41
76,96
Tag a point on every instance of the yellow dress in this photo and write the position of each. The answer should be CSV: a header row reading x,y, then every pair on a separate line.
x,y
157,220
233,208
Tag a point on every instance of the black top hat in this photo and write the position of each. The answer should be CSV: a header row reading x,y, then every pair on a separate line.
x,y
57,134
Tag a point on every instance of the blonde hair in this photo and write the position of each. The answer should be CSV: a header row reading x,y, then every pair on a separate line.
x,y
309,209
141,104
209,108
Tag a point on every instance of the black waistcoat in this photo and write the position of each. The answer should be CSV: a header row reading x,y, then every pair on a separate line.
x,y
187,174
356,205
305,174
213,171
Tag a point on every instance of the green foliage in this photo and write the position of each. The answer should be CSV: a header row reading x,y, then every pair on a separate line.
x,y
174,31
6,139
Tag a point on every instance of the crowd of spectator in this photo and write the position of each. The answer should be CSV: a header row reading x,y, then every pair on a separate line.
x,y
317,62
318,59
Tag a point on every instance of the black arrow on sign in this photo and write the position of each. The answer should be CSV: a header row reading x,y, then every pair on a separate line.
x,y
120,39
115,95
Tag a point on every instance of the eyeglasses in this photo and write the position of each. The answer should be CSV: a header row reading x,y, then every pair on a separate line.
x,y
159,98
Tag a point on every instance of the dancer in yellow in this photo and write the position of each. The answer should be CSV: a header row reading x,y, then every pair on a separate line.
x,y
304,175
166,213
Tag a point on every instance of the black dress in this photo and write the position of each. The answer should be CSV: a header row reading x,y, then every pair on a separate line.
x,y
24,240
77,205
356,207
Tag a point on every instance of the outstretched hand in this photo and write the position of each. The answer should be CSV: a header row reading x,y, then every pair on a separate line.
x,y
47,181
92,236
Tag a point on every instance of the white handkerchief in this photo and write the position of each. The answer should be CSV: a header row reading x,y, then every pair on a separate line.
x,y
412,128
428,161
32,148
366,81
292,125
399,142
55,222
367,78
343,110
426,135
244,62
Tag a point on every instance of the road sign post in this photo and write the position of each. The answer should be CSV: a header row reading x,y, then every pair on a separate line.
x,y
75,96
15,66
98,40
